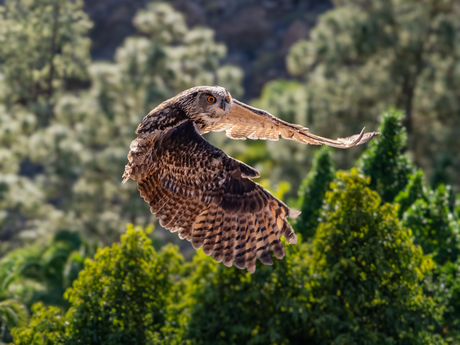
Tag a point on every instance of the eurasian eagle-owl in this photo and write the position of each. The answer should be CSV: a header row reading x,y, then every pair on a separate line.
x,y
206,196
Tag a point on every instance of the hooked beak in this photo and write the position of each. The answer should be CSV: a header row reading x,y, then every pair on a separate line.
x,y
222,104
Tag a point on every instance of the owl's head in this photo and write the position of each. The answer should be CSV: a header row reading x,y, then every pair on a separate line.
x,y
208,104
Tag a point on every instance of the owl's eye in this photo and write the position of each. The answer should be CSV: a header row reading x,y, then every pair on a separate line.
x,y
212,99
227,99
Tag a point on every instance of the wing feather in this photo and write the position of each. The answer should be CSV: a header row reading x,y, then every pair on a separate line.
x,y
251,256
229,244
198,229
261,240
213,221
218,253
244,121
242,241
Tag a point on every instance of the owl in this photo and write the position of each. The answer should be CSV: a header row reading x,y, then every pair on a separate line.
x,y
209,198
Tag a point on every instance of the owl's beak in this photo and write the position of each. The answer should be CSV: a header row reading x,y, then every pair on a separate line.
x,y
222,104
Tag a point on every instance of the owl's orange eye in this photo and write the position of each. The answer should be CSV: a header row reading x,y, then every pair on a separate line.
x,y
227,99
211,99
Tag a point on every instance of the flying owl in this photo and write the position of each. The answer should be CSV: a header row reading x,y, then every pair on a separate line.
x,y
209,198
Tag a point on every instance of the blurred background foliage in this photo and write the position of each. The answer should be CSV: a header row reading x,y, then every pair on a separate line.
x,y
378,262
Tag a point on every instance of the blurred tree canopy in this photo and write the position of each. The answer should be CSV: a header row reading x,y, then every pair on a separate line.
x,y
42,48
365,56
64,144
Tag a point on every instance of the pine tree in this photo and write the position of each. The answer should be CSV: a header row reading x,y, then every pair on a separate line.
x,y
364,56
62,170
43,52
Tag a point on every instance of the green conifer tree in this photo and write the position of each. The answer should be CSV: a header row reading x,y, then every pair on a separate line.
x,y
414,190
446,288
383,160
312,192
64,173
368,272
436,228
231,306
46,327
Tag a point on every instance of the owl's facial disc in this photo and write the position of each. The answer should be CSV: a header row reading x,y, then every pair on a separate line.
x,y
211,104
214,102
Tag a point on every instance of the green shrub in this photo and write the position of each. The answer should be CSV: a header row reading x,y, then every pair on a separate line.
x,y
121,297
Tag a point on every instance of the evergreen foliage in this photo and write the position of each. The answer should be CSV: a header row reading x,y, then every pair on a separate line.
x,y
42,272
364,56
446,287
230,306
435,227
120,297
312,192
368,272
43,52
46,327
383,160
414,190
12,314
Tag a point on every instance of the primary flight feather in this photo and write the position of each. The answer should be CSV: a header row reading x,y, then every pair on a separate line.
x,y
206,196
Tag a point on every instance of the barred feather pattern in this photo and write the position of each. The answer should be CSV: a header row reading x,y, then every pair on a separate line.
x,y
205,198
244,121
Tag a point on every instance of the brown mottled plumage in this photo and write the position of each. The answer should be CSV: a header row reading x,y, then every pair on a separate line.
x,y
206,196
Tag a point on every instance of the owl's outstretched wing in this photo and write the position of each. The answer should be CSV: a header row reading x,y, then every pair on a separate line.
x,y
244,121
209,199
